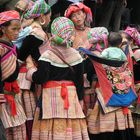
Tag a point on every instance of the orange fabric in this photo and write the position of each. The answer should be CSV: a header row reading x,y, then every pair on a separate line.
x,y
11,102
64,90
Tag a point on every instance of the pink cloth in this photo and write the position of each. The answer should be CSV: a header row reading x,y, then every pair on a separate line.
x,y
9,15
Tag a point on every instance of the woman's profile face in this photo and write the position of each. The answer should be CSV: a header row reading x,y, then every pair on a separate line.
x,y
11,32
47,19
78,18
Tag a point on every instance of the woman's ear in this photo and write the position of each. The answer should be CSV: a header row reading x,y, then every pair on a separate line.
x,y
42,20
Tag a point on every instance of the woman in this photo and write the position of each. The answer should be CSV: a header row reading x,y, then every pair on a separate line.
x,y
81,16
2,130
12,114
60,71
22,6
110,116
40,12
131,37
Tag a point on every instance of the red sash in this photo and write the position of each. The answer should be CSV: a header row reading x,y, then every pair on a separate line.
x,y
11,87
64,90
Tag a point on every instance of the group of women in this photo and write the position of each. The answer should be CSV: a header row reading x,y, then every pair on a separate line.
x,y
74,83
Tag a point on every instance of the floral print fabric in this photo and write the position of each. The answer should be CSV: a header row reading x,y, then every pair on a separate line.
x,y
120,79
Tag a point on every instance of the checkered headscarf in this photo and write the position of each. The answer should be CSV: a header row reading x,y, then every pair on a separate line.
x,y
62,29
97,35
39,7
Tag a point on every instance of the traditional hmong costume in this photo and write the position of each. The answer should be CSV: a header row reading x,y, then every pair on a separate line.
x,y
81,39
110,113
60,71
136,110
95,35
12,113
79,6
110,116
31,46
133,33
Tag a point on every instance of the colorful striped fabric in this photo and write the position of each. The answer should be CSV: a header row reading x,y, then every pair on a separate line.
x,y
98,122
16,133
10,121
62,29
8,61
53,103
59,129
39,7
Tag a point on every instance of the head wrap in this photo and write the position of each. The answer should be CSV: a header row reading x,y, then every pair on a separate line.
x,y
134,34
39,7
8,16
79,6
97,35
62,29
24,5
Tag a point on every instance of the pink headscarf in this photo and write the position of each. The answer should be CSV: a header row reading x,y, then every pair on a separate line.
x,y
79,6
9,15
134,34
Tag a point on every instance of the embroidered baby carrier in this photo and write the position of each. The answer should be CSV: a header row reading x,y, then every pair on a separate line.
x,y
8,59
116,85
115,80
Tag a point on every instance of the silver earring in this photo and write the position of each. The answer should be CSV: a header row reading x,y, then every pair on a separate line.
x,y
42,23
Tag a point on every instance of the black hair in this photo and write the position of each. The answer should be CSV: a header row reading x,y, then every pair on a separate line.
x,y
114,39
49,11
6,24
127,36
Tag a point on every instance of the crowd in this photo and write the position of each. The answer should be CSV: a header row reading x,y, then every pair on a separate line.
x,y
70,73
